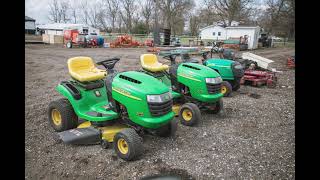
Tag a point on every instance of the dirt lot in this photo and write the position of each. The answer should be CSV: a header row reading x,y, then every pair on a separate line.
x,y
256,139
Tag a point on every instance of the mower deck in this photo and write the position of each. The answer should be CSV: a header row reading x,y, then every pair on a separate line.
x,y
85,133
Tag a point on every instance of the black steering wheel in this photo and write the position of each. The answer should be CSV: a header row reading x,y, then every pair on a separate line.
x,y
109,63
171,57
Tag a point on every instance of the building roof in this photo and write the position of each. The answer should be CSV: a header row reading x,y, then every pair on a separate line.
x,y
60,26
27,18
210,27
230,27
241,27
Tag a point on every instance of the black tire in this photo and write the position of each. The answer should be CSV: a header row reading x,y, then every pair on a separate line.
x,y
105,144
69,119
168,129
133,142
226,88
69,44
192,111
217,107
236,86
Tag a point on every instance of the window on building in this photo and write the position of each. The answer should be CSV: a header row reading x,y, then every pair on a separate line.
x,y
214,33
219,33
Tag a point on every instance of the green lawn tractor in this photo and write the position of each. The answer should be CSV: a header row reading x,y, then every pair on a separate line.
x,y
231,71
117,107
193,86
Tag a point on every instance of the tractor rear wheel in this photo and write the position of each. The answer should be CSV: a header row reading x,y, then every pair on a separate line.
x,y
127,144
61,115
226,88
189,114
168,129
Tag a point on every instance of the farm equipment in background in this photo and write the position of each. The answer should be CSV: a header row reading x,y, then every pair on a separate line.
x,y
291,62
72,37
265,40
125,41
257,70
239,44
258,78
149,42
175,41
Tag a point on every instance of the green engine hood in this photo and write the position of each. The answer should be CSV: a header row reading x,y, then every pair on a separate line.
x,y
222,66
197,71
137,82
218,62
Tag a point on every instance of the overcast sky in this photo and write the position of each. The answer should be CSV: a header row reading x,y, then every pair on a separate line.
x,y
38,9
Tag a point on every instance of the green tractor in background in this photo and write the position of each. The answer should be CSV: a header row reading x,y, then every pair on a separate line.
x,y
194,86
231,71
118,108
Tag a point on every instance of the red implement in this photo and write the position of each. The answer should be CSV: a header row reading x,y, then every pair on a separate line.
x,y
259,78
291,63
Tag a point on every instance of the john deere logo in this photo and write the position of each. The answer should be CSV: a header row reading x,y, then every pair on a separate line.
x,y
97,93
139,113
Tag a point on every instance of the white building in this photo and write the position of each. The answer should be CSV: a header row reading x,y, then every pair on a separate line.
x,y
57,28
215,32
29,25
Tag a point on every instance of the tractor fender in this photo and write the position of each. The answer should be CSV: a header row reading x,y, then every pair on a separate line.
x,y
69,91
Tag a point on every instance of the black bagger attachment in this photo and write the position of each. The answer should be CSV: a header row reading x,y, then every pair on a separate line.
x,y
81,136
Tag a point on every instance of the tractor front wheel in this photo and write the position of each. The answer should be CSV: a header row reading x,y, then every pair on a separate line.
x,y
226,88
218,107
69,44
127,144
189,114
236,85
168,129
61,115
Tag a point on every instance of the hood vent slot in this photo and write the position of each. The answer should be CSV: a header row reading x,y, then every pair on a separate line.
x,y
129,79
191,67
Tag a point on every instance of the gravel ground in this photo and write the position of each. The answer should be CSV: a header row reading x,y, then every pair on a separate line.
x,y
256,139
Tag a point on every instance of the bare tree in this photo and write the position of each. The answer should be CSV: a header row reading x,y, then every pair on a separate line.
x,y
207,14
54,11
74,10
147,10
194,24
112,11
84,12
58,11
174,12
63,12
119,22
93,14
232,10
127,13
279,18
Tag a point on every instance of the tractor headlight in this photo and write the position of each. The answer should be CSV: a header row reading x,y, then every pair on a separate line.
x,y
159,98
214,80
238,66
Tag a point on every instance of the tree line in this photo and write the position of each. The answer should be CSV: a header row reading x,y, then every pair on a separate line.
x,y
181,16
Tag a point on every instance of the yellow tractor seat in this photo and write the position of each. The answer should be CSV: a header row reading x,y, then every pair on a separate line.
x,y
150,62
83,69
